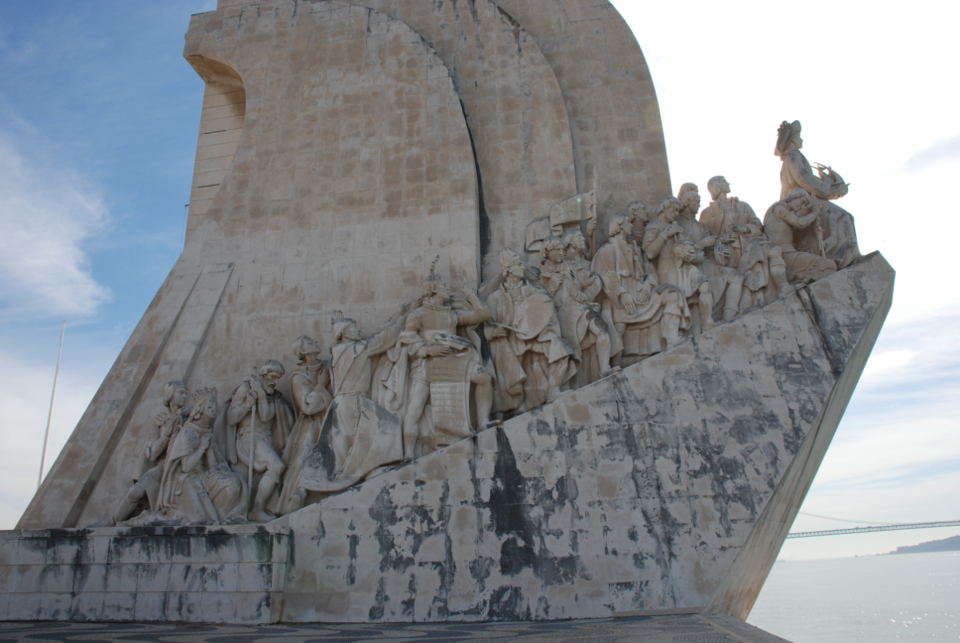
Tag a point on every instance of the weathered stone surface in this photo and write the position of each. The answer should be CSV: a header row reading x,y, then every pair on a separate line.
x,y
338,155
163,347
611,101
353,171
650,490
200,574
514,108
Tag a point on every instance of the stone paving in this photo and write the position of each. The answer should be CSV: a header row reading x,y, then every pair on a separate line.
x,y
642,629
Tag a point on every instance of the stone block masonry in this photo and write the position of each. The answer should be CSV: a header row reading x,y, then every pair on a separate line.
x,y
223,574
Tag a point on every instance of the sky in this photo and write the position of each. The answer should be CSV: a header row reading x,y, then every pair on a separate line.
x,y
98,123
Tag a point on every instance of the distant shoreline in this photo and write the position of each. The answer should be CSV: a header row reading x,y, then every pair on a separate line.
x,y
947,544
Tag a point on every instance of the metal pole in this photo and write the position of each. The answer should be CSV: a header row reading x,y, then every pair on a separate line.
x,y
46,435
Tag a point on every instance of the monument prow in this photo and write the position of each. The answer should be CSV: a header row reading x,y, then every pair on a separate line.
x,y
668,487
446,363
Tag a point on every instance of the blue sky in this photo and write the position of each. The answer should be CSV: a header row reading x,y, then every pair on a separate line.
x,y
98,123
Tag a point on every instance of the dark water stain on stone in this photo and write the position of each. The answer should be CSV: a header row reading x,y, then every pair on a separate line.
x,y
506,604
386,514
408,605
380,601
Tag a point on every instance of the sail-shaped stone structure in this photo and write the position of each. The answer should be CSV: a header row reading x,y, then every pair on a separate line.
x,y
344,150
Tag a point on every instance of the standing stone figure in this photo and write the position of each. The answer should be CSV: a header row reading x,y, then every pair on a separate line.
x,y
755,257
258,424
198,485
838,235
576,257
532,359
677,262
725,282
784,221
145,492
358,436
633,296
308,386
443,367
574,289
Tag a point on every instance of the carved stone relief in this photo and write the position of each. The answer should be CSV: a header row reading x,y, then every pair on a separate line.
x,y
450,364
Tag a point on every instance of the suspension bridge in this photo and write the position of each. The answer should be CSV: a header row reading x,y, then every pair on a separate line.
x,y
866,530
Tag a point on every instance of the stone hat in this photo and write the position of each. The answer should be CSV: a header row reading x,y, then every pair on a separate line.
x,y
340,324
785,132
509,256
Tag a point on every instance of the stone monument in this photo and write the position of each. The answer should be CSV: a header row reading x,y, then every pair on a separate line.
x,y
563,402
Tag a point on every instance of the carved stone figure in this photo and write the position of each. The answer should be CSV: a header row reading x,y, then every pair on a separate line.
x,y
258,425
308,386
358,436
574,289
839,236
575,255
145,492
725,282
634,297
443,368
755,257
784,221
678,262
531,357
198,486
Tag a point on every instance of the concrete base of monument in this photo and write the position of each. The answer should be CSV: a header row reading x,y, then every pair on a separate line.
x,y
217,574
667,488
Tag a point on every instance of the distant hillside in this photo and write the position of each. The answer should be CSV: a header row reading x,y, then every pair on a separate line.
x,y
947,544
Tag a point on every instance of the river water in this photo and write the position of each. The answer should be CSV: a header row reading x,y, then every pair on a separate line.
x,y
869,599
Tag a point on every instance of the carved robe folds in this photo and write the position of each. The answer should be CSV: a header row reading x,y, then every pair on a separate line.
x,y
532,360
620,265
443,380
756,258
358,436
197,485
309,389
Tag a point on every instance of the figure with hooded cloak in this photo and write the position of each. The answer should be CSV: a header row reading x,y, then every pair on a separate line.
x,y
533,361
358,436
308,386
198,486
838,236
574,289
257,425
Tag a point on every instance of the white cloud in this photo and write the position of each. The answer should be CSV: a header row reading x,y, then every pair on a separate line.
x,y
46,214
943,151
25,397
